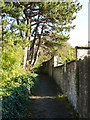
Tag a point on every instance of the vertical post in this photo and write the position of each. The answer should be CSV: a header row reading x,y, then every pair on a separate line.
x,y
89,59
89,27
89,23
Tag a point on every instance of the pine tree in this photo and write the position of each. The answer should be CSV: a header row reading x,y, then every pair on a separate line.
x,y
38,21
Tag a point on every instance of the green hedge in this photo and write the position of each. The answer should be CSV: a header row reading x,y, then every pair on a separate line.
x,y
16,102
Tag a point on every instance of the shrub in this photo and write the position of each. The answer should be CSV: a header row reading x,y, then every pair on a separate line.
x,y
14,106
16,100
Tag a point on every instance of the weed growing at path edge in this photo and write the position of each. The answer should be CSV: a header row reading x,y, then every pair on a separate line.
x,y
63,98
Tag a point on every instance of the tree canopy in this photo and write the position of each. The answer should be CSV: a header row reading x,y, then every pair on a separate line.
x,y
38,24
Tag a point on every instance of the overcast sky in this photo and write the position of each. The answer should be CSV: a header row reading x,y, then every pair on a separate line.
x,y
79,36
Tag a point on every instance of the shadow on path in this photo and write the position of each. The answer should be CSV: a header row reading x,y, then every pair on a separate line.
x,y
44,104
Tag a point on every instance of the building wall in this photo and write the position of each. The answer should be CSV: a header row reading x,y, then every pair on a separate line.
x,y
82,52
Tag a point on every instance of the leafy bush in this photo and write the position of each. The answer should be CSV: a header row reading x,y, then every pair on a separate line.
x,y
16,100
15,105
12,56
36,68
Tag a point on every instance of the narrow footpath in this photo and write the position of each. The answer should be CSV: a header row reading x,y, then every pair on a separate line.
x,y
44,104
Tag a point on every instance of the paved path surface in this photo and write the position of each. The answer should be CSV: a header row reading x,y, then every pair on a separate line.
x,y
44,104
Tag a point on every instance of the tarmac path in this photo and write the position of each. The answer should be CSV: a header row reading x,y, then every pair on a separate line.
x,y
44,104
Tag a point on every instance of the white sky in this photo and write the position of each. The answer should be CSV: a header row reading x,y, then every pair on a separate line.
x,y
79,36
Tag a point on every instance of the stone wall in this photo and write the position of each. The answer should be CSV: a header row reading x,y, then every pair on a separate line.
x,y
65,77
82,97
89,86
47,67
74,80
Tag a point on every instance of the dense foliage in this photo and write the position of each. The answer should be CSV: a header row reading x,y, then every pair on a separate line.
x,y
66,53
11,57
17,82
16,100
63,53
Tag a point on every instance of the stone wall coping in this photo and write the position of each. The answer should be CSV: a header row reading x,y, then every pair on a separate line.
x,y
71,61
82,47
45,62
59,66
66,63
48,60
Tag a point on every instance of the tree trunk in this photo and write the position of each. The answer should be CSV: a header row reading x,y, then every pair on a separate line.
x,y
39,43
2,29
34,46
26,55
37,53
